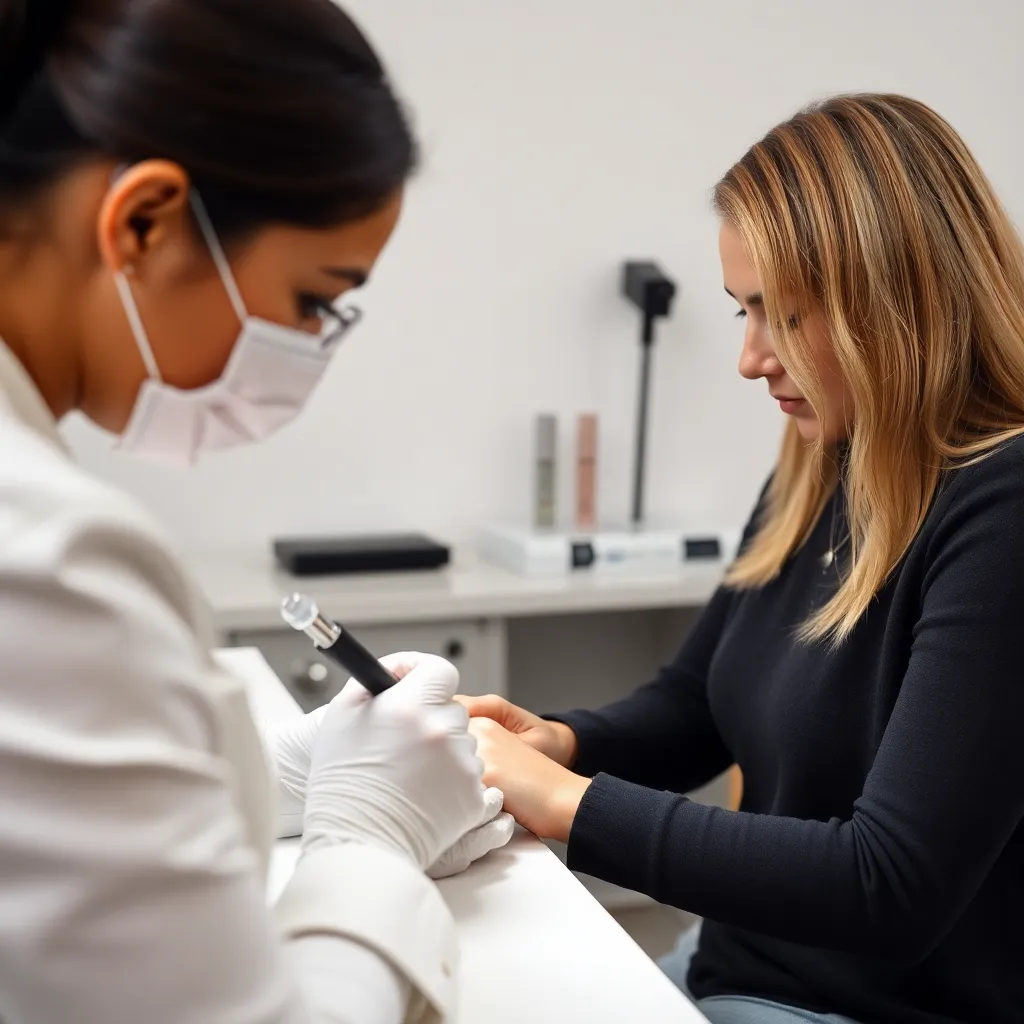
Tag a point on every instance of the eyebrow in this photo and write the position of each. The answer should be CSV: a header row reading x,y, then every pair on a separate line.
x,y
754,299
356,277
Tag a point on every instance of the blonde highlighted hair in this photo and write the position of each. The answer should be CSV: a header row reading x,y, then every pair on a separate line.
x,y
871,212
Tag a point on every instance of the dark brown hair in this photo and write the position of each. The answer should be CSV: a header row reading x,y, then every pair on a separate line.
x,y
279,110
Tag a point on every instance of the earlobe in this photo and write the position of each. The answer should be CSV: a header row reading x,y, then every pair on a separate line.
x,y
145,206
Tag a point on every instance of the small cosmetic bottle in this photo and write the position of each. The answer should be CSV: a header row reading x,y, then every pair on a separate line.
x,y
586,472
545,471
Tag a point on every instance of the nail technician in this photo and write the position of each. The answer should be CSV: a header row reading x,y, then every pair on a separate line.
x,y
862,664
186,187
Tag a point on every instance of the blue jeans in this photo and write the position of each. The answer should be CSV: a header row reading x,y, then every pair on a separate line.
x,y
736,1009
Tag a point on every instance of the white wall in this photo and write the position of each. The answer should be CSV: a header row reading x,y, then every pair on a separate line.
x,y
561,136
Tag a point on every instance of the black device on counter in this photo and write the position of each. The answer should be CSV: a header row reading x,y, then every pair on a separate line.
x,y
324,556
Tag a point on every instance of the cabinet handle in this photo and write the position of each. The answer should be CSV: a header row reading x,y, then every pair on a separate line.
x,y
454,649
311,677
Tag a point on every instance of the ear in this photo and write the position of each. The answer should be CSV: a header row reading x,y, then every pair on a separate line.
x,y
146,207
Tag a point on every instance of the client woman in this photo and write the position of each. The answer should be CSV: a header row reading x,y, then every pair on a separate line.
x,y
861,662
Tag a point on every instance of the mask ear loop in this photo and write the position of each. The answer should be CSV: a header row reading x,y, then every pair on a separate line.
x,y
131,311
220,261
217,252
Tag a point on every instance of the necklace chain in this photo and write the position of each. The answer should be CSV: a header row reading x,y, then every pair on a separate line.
x,y
830,555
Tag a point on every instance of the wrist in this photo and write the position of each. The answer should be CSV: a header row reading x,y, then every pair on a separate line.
x,y
568,745
568,798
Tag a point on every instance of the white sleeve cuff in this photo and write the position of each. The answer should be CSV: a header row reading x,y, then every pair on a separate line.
x,y
378,898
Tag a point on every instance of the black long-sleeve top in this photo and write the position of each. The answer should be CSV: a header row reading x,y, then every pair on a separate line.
x,y
876,867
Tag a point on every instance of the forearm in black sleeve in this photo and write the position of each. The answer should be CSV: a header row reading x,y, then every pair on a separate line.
x,y
942,799
663,734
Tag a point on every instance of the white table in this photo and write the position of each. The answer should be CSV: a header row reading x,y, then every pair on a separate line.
x,y
536,946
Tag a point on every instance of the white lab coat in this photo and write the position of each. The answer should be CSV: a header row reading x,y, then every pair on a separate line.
x,y
135,804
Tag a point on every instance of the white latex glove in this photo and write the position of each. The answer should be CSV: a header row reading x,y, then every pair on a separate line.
x,y
291,745
289,748
492,832
399,771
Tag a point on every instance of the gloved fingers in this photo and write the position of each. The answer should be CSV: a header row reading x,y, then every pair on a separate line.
x,y
449,719
475,767
289,747
496,833
494,800
489,836
351,695
431,681
451,862
402,663
293,733
460,743
472,846
463,746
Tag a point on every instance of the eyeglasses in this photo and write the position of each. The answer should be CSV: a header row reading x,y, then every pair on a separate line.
x,y
336,322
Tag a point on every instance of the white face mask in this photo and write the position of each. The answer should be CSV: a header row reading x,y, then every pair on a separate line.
x,y
268,378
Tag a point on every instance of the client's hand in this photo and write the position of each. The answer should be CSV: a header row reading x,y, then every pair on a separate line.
x,y
539,793
553,739
399,772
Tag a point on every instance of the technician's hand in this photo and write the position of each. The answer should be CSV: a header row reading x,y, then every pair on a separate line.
x,y
291,750
399,771
539,793
290,743
553,739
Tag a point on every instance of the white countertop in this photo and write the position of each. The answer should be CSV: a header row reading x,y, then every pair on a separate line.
x,y
535,945
245,588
